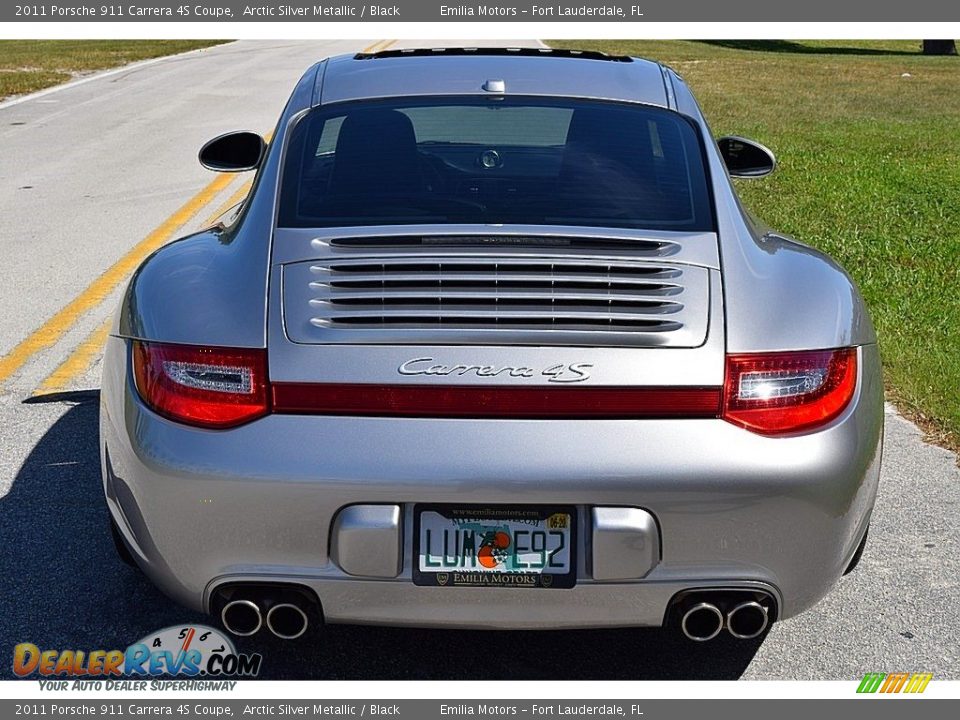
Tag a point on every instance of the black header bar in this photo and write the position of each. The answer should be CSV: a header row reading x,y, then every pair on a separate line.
x,y
740,11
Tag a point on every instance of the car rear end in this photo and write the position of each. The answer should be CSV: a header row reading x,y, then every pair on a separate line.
x,y
497,392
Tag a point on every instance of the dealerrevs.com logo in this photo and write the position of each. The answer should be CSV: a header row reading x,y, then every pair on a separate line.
x,y
192,651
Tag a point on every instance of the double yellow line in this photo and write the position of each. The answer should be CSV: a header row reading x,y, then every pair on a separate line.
x,y
77,363
54,329
378,46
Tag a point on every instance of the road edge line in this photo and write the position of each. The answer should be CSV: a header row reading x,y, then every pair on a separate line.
x,y
100,74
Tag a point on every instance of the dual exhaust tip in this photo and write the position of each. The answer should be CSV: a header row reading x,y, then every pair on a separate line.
x,y
703,621
700,621
286,620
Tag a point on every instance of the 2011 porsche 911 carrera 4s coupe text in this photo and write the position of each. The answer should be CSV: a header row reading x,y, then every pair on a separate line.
x,y
491,344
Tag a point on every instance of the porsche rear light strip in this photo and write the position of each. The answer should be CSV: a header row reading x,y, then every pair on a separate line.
x,y
467,401
767,393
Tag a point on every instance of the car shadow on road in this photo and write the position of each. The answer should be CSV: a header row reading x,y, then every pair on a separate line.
x,y
66,588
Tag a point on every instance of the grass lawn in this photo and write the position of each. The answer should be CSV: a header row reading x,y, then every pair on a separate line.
x,y
30,65
867,134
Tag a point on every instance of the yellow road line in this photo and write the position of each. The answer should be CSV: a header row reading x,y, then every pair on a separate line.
x,y
376,47
57,326
239,195
78,363
79,360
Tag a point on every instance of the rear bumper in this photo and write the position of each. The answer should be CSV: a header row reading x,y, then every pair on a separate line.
x,y
257,503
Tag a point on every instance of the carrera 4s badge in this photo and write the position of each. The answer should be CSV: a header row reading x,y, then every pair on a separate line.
x,y
559,373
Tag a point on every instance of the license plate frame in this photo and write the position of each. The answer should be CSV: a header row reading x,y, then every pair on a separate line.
x,y
491,514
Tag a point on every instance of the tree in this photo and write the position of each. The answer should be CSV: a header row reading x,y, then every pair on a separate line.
x,y
939,47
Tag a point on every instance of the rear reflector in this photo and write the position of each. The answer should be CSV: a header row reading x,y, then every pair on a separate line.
x,y
496,401
204,386
787,392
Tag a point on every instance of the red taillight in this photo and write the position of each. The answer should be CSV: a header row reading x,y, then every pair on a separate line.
x,y
205,386
786,392
767,393
495,401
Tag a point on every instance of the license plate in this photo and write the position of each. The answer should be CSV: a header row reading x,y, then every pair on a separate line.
x,y
496,546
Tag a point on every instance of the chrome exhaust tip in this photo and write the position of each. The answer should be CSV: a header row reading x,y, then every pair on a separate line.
x,y
747,620
702,622
241,617
287,621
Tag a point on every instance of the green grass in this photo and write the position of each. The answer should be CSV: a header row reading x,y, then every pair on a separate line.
x,y
869,172
30,65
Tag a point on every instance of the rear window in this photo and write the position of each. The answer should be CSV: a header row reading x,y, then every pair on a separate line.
x,y
495,160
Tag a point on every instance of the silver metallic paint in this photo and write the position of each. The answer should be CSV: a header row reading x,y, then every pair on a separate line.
x,y
365,540
625,543
201,508
347,79
731,504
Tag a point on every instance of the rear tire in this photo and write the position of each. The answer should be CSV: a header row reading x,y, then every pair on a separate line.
x,y
123,552
855,560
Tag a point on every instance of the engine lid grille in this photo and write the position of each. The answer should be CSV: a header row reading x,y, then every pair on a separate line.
x,y
461,299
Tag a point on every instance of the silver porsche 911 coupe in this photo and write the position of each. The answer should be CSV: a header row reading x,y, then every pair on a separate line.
x,y
491,344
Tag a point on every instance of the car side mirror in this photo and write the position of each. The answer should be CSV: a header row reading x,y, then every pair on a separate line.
x,y
233,152
745,158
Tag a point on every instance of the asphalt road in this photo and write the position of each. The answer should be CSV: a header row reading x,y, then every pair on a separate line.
x,y
89,172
